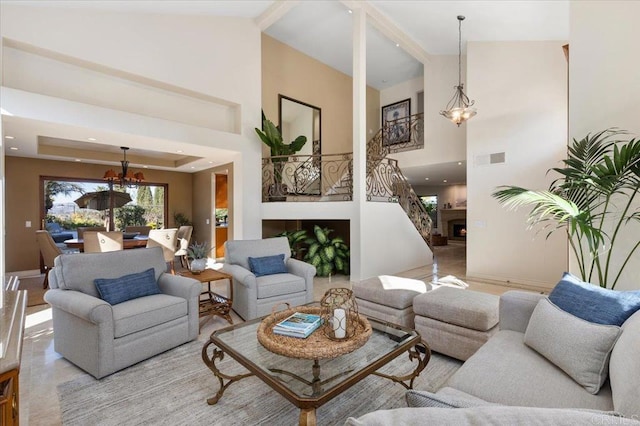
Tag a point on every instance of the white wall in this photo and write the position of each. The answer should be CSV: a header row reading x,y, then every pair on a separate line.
x,y
213,56
521,92
444,142
604,90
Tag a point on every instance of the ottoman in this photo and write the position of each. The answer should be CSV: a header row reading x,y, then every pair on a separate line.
x,y
389,298
456,322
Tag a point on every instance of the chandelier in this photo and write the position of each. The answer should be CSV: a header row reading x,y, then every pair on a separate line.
x,y
126,177
459,107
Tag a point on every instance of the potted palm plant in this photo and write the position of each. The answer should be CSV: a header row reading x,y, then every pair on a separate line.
x,y
592,201
272,137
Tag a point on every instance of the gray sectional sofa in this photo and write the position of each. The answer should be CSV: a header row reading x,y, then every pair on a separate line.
x,y
506,374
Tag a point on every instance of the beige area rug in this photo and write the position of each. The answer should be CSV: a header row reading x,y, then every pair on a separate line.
x,y
35,292
172,389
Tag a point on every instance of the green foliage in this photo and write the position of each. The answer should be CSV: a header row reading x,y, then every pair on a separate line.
x,y
181,220
591,201
272,137
158,196
198,250
144,197
129,215
296,239
328,255
54,187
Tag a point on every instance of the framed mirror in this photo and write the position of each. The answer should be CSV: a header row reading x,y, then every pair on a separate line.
x,y
299,118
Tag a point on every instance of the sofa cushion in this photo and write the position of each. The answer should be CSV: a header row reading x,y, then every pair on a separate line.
x,y
127,287
580,348
268,265
496,415
466,308
394,292
593,303
445,398
279,284
624,369
146,312
77,271
237,252
506,371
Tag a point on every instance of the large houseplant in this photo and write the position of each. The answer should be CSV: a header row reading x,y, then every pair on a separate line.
x,y
272,137
328,255
592,202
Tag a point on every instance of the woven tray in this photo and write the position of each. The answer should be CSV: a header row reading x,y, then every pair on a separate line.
x,y
317,345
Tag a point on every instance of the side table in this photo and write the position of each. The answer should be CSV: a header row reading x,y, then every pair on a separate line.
x,y
213,303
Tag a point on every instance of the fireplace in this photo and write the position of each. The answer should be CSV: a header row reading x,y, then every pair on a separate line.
x,y
458,229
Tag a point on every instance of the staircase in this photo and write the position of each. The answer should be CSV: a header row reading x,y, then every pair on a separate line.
x,y
329,177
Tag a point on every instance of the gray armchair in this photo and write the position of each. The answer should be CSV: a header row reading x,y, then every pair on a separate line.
x,y
101,338
255,296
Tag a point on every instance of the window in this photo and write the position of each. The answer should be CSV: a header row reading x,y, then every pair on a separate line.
x,y
430,203
61,203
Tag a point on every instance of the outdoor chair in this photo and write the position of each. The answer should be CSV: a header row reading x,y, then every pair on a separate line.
x,y
83,229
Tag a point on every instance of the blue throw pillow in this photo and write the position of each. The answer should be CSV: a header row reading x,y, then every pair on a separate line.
x,y
267,265
132,286
592,303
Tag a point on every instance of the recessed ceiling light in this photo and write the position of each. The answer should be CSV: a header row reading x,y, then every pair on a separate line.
x,y
397,44
9,137
145,167
444,180
14,148
78,160
179,151
459,163
193,167
92,139
350,11
426,178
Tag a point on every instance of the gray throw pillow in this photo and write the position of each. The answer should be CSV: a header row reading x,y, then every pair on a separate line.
x,y
578,347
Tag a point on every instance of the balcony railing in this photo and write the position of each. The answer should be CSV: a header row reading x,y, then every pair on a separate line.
x,y
325,177
386,183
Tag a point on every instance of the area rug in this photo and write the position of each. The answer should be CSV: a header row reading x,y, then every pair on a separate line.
x,y
172,389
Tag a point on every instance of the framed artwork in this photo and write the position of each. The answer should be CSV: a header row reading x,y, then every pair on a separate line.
x,y
396,122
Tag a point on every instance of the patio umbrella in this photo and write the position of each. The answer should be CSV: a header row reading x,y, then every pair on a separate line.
x,y
99,200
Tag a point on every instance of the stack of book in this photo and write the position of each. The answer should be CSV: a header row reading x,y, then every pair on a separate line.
x,y
298,325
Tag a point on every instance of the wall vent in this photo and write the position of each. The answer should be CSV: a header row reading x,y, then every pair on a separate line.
x,y
488,159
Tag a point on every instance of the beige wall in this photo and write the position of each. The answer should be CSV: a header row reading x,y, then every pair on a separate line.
x,y
603,92
521,92
289,72
23,201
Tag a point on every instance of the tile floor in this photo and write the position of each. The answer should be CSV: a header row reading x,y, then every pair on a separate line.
x,y
43,369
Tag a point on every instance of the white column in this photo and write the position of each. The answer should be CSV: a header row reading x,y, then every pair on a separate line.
x,y
359,138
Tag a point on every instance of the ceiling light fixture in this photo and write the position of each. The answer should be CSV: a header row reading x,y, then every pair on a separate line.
x,y
91,139
13,148
459,107
127,177
9,137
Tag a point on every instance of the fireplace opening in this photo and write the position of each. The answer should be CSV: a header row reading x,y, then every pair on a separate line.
x,y
458,229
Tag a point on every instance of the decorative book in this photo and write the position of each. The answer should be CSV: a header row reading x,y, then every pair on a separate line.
x,y
298,325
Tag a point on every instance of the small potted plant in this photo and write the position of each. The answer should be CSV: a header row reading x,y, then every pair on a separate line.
x,y
198,253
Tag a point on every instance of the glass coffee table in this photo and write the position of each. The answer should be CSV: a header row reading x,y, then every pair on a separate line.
x,y
308,384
